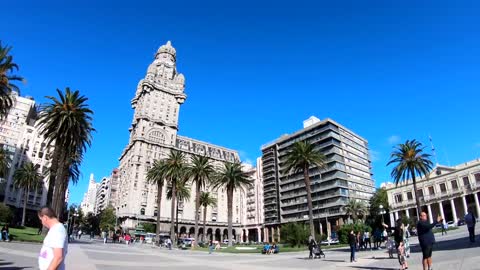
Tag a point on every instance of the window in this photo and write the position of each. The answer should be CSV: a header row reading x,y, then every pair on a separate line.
x,y
409,196
477,177
465,181
454,184
443,187
398,198
431,191
142,211
420,193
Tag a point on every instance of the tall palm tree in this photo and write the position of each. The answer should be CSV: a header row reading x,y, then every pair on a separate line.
x,y
7,66
410,161
206,200
231,177
175,165
301,158
200,172
156,176
67,122
27,178
183,194
5,162
355,208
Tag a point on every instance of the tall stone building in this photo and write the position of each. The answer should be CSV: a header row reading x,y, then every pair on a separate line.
x,y
347,176
153,134
20,138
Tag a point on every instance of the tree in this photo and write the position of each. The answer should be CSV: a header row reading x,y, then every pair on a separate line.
x,y
27,178
301,158
148,227
200,172
231,177
107,218
156,175
6,214
5,162
174,171
67,122
7,66
206,200
294,234
183,194
410,161
355,208
378,198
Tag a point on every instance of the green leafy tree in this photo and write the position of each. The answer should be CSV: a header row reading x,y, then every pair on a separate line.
x,y
355,208
231,177
410,161
347,228
174,170
149,227
27,178
67,122
295,234
206,200
301,158
7,66
156,175
107,218
6,214
5,162
200,172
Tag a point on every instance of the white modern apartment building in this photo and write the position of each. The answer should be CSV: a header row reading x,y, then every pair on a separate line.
x,y
253,223
89,198
347,176
102,196
20,137
447,191
153,134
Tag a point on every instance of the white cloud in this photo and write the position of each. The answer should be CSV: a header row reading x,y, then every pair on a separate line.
x,y
374,155
394,139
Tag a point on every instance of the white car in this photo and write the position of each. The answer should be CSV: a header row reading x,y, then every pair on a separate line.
x,y
451,224
225,241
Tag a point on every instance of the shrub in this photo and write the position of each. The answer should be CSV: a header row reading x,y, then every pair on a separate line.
x,y
295,234
346,228
6,214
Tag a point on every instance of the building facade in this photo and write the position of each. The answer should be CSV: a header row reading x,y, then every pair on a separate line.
x,y
90,197
448,191
114,182
347,176
20,138
102,196
153,134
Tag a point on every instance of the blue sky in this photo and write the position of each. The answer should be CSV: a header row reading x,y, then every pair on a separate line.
x,y
256,70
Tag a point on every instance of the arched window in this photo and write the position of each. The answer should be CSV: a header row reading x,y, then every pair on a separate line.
x,y
156,136
142,211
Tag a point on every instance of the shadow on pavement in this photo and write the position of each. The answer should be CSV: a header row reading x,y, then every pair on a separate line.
x,y
5,266
372,268
334,260
453,244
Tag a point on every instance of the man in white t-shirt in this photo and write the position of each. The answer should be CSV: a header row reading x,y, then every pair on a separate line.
x,y
55,245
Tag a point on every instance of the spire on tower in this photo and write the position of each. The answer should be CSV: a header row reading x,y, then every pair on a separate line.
x,y
433,150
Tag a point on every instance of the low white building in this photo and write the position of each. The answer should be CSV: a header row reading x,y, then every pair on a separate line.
x,y
447,191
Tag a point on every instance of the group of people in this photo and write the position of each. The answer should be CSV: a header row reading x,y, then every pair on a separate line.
x,y
269,248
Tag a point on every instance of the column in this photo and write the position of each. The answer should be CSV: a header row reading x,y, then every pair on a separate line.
x,y
452,204
392,220
464,204
278,233
259,238
265,235
221,237
477,205
241,237
246,234
396,215
273,234
430,218
440,205
407,213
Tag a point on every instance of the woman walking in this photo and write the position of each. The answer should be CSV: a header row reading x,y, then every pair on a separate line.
x,y
352,241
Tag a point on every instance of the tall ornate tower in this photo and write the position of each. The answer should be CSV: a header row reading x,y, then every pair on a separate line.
x,y
153,132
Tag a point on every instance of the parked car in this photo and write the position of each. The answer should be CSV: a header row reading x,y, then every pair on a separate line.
x,y
332,241
225,241
451,224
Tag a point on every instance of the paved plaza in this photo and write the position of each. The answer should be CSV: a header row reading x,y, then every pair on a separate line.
x,y
452,251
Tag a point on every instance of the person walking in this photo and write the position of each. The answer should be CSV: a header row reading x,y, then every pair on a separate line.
x,y
426,239
367,241
210,247
351,241
55,245
311,246
470,220
401,256
444,228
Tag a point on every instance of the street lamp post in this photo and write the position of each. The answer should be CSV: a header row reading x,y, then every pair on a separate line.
x,y
382,211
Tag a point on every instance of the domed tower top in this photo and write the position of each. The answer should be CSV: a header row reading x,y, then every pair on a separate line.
x,y
166,49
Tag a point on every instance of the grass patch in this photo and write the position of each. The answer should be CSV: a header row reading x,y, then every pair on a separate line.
x,y
438,230
27,234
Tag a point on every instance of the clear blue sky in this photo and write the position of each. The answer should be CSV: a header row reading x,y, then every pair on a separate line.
x,y
255,71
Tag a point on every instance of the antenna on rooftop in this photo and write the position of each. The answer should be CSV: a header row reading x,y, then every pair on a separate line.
x,y
433,149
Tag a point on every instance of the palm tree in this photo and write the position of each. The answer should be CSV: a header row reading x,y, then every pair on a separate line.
x,y
206,200
174,171
156,176
411,161
6,87
231,177
355,208
5,161
27,178
67,122
200,172
301,158
183,194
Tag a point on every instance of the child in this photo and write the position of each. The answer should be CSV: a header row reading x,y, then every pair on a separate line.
x,y
390,247
401,256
